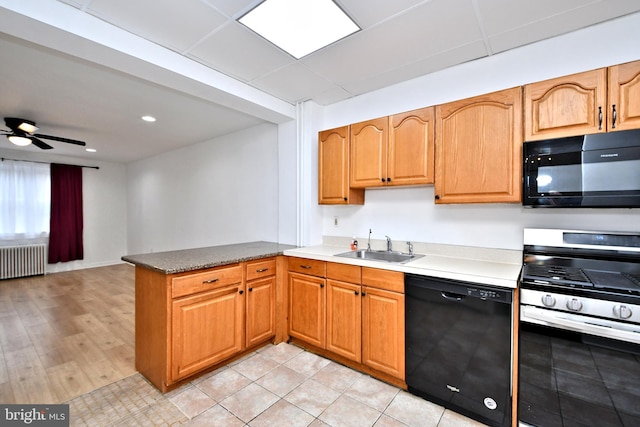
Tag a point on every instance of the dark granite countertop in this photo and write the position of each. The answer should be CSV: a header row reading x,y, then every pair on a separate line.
x,y
199,258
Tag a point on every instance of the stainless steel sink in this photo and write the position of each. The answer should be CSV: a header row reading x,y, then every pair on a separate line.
x,y
386,256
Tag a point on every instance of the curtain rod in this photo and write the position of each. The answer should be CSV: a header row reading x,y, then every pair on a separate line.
x,y
48,163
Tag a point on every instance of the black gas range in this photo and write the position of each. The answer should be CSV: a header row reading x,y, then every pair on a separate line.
x,y
579,358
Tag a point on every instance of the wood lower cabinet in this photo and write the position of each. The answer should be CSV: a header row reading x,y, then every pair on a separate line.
x,y
188,323
261,301
479,149
333,169
207,328
357,317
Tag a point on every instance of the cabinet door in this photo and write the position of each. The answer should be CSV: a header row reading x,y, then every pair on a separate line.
x,y
344,316
206,328
333,169
479,149
624,97
566,106
383,331
307,307
369,153
260,314
411,147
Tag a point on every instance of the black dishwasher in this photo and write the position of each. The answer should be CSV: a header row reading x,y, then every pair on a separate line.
x,y
458,346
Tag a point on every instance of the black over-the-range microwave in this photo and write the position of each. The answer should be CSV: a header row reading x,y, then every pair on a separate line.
x,y
589,171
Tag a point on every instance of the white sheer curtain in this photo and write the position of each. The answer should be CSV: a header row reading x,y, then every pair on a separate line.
x,y
25,200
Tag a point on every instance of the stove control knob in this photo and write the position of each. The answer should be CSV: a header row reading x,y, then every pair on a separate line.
x,y
548,300
574,304
621,311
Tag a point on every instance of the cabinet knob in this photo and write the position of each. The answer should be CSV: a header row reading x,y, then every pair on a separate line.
x,y
382,179
356,292
322,285
437,197
388,179
345,199
241,291
250,289
364,294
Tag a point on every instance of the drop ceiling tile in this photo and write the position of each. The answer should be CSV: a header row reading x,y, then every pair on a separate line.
x,y
398,42
239,52
332,95
293,83
73,3
419,68
560,23
370,12
175,25
234,8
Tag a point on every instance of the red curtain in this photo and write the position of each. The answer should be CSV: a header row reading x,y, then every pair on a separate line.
x,y
66,223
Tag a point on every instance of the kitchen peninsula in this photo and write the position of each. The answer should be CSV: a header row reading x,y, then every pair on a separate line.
x,y
198,308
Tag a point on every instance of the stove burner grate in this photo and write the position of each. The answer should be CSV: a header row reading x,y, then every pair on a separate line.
x,y
557,273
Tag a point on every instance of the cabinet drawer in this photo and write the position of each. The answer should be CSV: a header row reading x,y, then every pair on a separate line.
x,y
383,279
261,268
343,272
311,267
206,280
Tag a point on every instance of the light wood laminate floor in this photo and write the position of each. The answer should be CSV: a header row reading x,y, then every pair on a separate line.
x,y
65,334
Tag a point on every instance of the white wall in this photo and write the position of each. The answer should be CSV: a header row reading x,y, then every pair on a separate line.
x,y
213,193
410,213
104,205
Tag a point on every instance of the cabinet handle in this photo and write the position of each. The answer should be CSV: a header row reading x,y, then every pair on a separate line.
x,y
345,199
599,118
241,291
209,281
262,270
615,117
437,197
322,285
356,292
388,179
364,294
250,289
305,266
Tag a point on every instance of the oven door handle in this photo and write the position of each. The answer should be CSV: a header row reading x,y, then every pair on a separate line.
x,y
603,328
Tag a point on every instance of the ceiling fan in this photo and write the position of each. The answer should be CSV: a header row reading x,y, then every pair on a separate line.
x,y
23,132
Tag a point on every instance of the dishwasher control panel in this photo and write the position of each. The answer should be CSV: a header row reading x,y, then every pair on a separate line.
x,y
488,294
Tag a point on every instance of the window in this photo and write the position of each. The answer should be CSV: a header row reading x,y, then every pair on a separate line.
x,y
25,200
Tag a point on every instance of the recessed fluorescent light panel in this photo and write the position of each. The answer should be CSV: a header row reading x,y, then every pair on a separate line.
x,y
299,27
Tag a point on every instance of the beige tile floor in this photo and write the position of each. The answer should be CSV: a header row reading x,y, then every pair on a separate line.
x,y
280,385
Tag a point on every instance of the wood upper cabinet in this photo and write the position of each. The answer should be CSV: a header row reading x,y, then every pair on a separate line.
x,y
624,96
479,149
566,106
410,157
333,169
206,328
602,100
394,150
369,153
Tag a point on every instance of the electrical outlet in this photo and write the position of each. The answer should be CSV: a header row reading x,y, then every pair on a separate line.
x,y
336,222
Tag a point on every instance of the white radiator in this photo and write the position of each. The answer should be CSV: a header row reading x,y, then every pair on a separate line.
x,y
20,261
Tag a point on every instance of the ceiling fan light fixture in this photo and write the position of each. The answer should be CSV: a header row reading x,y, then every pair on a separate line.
x,y
21,141
28,127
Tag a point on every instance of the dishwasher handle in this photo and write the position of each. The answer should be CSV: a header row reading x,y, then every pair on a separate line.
x,y
452,296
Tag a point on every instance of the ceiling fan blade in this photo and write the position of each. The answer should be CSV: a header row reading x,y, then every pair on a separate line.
x,y
57,138
40,144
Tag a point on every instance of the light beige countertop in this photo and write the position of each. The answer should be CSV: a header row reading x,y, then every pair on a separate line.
x,y
497,267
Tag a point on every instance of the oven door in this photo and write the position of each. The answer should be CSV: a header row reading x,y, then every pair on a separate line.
x,y
576,371
590,178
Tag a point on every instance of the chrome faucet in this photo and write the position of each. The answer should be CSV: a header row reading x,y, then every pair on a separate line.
x,y
410,248
388,243
369,241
